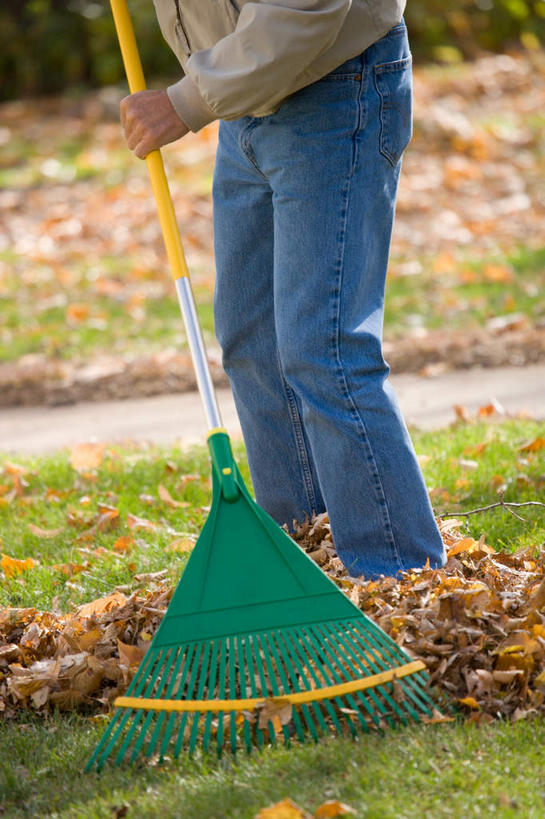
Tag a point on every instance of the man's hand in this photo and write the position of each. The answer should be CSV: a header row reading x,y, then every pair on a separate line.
x,y
149,121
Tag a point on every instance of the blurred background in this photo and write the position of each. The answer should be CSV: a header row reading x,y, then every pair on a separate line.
x,y
47,46
86,299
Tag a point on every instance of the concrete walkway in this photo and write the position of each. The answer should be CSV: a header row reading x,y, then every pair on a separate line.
x,y
426,402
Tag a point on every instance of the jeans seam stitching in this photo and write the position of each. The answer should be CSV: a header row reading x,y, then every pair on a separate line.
x,y
356,415
301,449
246,147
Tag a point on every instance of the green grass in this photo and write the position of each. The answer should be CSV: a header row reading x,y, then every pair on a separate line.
x,y
421,771
460,472
468,294
434,771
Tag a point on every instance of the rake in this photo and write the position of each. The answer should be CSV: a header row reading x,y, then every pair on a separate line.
x,y
257,645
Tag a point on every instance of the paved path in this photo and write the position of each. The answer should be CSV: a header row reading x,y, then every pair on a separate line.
x,y
426,403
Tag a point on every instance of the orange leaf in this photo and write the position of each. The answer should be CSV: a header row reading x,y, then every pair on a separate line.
x,y
462,413
533,446
103,604
13,567
123,544
497,273
167,498
87,456
286,809
471,702
77,312
461,546
333,808
488,409
181,545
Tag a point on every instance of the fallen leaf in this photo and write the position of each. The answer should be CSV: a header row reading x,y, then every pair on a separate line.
x,y
167,498
277,711
37,530
102,604
471,702
286,809
12,567
134,522
181,545
87,456
533,446
130,656
123,544
333,808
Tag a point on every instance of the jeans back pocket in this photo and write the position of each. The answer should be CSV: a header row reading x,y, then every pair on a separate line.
x,y
393,81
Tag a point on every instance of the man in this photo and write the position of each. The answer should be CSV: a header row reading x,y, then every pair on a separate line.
x,y
314,98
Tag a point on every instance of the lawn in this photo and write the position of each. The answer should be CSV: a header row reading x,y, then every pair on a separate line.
x,y
82,267
93,521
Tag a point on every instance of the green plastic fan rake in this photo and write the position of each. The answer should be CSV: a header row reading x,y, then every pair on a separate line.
x,y
254,626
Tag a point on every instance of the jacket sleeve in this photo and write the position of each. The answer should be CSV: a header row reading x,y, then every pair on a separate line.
x,y
254,67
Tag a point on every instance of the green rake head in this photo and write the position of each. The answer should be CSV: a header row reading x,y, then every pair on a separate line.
x,y
258,645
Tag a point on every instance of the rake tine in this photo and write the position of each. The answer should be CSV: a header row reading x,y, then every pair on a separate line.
x,y
264,686
332,663
187,656
293,644
139,713
357,670
416,687
135,687
285,683
221,694
253,687
241,660
178,656
274,686
232,693
203,671
327,679
305,709
189,696
169,659
211,690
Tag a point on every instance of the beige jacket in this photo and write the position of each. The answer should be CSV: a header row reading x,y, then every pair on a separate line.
x,y
243,57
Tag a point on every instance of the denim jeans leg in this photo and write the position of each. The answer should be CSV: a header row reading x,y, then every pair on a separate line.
x,y
283,474
330,158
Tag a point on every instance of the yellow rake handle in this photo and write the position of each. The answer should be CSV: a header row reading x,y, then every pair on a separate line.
x,y
141,703
135,77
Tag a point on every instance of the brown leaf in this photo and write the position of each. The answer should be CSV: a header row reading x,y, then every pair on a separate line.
x,y
277,711
102,605
167,498
533,446
87,456
37,530
134,522
131,656
333,808
181,545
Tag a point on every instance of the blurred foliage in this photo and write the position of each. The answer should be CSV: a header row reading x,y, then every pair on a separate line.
x,y
50,45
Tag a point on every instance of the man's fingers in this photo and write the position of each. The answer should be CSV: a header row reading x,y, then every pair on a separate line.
x,y
123,111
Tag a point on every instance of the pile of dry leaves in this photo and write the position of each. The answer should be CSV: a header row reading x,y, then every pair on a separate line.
x,y
478,624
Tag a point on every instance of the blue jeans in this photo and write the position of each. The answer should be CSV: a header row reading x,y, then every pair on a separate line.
x,y
303,211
